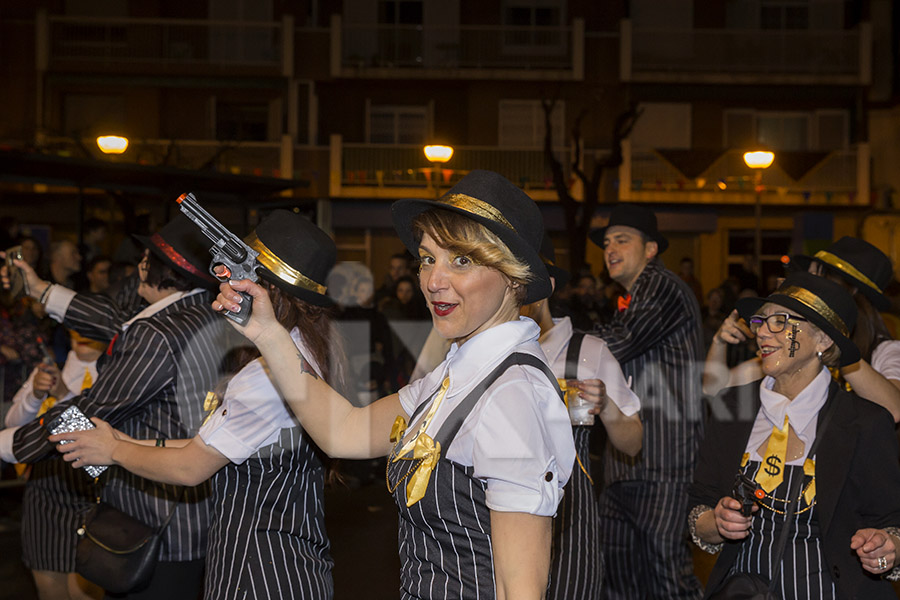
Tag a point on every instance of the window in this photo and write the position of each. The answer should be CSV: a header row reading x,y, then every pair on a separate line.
x,y
89,114
524,17
239,43
784,14
403,12
242,121
783,131
663,125
397,124
799,131
522,124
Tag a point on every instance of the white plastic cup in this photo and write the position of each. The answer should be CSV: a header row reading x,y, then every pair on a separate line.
x,y
578,410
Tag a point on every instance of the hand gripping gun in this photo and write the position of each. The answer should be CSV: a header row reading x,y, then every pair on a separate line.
x,y
228,251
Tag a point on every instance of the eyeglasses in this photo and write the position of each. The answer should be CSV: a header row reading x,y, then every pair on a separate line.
x,y
776,322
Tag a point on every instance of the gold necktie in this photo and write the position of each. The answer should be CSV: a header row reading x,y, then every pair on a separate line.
x,y
423,448
88,381
771,472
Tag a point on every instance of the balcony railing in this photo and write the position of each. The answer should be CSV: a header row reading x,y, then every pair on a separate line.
x,y
164,42
801,177
370,49
405,166
825,56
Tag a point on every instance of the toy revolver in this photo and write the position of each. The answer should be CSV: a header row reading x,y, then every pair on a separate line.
x,y
747,492
228,250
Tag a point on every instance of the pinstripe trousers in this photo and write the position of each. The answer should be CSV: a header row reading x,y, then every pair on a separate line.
x,y
643,529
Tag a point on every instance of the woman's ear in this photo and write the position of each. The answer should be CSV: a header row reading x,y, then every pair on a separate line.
x,y
823,342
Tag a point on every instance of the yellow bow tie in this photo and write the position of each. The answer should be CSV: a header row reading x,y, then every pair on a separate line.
x,y
428,452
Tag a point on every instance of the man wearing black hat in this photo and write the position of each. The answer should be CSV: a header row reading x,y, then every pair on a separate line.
x,y
152,382
656,337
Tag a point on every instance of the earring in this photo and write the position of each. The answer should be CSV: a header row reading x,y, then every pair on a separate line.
x,y
819,355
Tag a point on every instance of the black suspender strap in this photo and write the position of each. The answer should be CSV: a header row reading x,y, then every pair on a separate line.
x,y
572,355
451,426
794,494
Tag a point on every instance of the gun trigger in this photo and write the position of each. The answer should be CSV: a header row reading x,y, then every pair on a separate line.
x,y
226,273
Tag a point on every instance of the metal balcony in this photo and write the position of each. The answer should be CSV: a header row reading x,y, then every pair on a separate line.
x,y
470,52
839,178
746,56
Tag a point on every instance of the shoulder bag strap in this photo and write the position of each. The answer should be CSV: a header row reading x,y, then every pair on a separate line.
x,y
572,355
451,426
794,493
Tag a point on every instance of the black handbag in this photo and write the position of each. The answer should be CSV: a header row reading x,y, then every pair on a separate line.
x,y
117,551
748,586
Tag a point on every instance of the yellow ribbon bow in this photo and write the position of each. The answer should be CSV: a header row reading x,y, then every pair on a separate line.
x,y
428,452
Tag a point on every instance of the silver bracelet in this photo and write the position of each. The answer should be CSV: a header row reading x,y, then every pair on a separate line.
x,y
45,293
893,574
692,526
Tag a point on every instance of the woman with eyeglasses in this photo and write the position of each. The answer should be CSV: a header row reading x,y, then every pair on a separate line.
x,y
797,453
864,271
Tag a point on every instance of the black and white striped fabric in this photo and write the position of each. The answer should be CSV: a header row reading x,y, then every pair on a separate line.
x,y
54,503
267,533
657,341
445,538
643,513
576,567
805,573
151,386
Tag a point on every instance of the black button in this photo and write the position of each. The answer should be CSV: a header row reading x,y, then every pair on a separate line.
x,y
836,573
549,476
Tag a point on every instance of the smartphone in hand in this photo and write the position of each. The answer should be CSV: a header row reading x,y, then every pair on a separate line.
x,y
72,419
17,281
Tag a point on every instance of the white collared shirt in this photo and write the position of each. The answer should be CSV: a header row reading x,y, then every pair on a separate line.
x,y
595,362
519,431
159,305
252,413
802,413
59,298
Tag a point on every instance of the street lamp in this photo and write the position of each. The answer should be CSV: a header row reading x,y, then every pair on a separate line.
x,y
437,155
758,160
112,144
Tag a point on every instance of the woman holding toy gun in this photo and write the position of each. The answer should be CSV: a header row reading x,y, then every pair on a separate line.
x,y
267,534
797,480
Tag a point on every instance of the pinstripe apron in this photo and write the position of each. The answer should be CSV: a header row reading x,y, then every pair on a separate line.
x,y
445,537
267,534
804,571
576,569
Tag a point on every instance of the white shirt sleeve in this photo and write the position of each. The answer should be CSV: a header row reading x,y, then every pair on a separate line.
x,y
58,300
523,446
25,405
602,365
251,416
6,445
886,359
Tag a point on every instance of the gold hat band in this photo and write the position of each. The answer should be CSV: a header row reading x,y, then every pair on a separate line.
x,y
842,265
476,207
807,298
281,269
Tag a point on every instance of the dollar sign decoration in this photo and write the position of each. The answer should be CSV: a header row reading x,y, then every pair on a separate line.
x,y
773,469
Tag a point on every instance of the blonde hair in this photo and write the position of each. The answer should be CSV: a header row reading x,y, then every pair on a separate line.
x,y
457,233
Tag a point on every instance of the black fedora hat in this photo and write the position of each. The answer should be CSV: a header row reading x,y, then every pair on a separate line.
x,y
294,255
825,303
181,246
496,203
637,217
548,253
857,262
